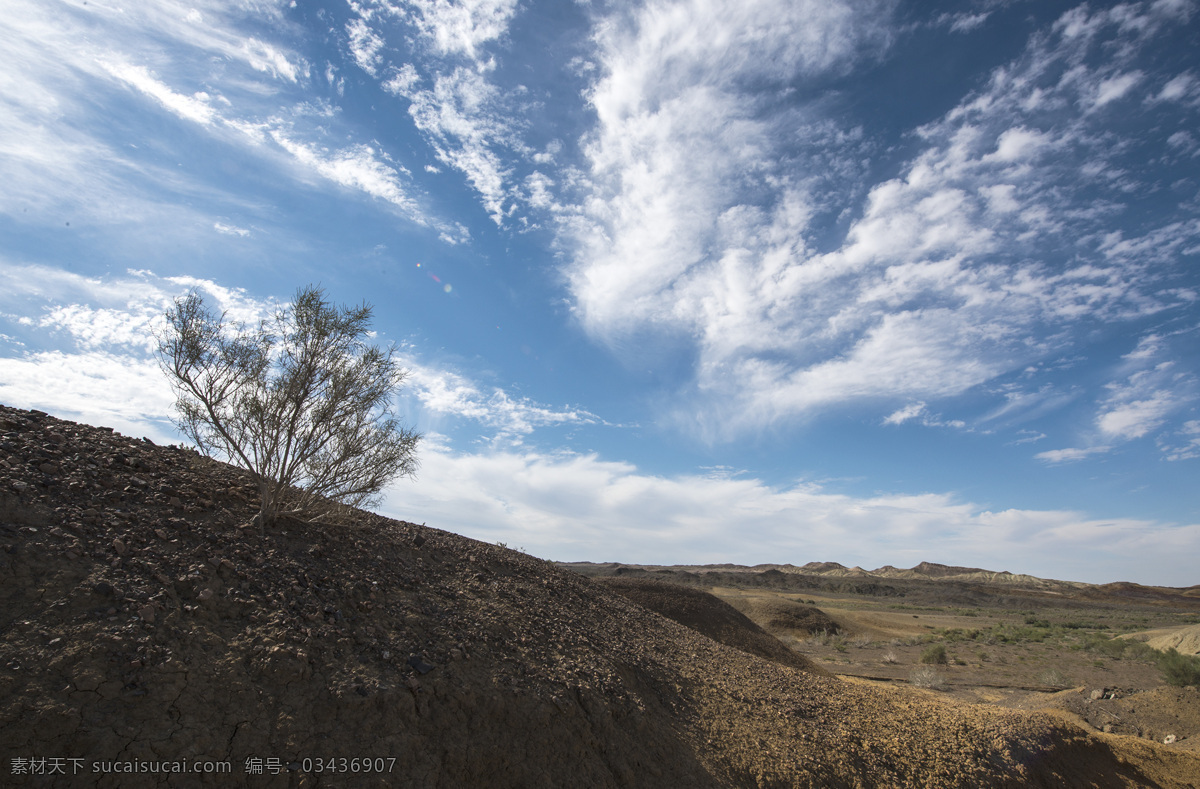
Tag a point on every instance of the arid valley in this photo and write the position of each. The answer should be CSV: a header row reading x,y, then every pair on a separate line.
x,y
151,636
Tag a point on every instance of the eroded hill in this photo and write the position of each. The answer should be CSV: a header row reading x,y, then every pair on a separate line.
x,y
142,624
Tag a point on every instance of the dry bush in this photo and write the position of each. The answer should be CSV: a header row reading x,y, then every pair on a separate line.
x,y
890,658
927,677
302,401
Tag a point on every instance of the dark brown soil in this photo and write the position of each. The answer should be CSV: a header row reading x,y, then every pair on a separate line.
x,y
140,623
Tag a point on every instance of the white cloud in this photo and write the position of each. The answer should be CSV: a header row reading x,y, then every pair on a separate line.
x,y
463,118
264,57
965,23
230,230
1189,434
1179,87
192,60
706,217
102,369
365,45
447,29
404,82
1116,87
128,393
1185,142
443,393
462,28
1071,455
1141,402
1019,143
1148,389
919,411
361,167
100,313
908,412
580,507
104,328
1136,418
193,108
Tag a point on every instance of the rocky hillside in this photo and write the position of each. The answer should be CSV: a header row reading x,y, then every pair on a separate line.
x,y
144,630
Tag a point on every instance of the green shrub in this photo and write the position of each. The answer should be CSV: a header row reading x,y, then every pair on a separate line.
x,y
1138,650
1179,669
935,653
1112,647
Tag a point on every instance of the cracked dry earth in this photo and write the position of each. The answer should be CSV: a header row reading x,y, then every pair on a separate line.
x,y
140,621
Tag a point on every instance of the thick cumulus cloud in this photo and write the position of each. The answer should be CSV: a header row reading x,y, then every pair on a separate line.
x,y
718,173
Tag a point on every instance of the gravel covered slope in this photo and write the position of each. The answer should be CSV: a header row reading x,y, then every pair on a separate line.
x,y
140,622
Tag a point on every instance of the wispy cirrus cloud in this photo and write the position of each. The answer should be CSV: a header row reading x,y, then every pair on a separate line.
x,y
463,118
706,215
445,393
1154,387
208,64
196,107
1072,454
469,122
1147,388
1183,444
920,412
230,230
1136,406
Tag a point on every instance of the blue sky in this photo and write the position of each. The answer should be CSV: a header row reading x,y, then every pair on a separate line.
x,y
676,281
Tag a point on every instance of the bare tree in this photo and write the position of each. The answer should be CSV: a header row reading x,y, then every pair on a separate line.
x,y
301,401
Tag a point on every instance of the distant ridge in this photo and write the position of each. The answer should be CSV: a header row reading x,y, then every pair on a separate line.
x,y
924,571
923,579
